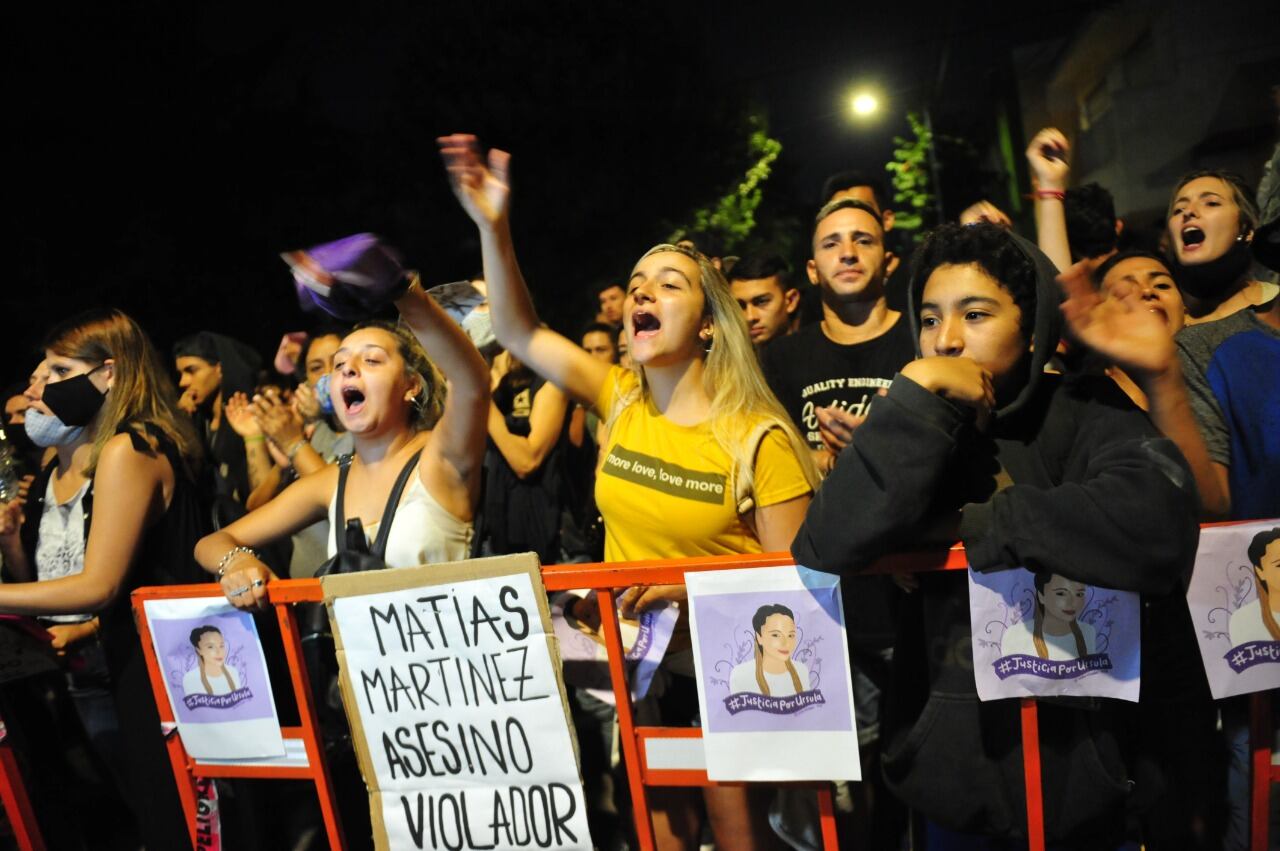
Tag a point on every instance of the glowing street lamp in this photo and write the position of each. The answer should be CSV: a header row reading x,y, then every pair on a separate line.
x,y
864,104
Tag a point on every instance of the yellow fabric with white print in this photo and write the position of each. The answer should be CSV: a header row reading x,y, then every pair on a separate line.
x,y
665,490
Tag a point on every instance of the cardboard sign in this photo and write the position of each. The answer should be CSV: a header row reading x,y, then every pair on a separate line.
x,y
1037,636
450,676
774,684
215,675
1234,598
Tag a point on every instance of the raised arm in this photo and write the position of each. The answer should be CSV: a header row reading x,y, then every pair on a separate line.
x,y
1125,331
484,192
458,438
1047,159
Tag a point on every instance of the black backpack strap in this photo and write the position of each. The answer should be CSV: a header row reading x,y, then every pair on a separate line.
x,y
340,512
393,502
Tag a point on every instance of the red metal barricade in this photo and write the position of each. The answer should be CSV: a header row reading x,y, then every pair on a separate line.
x,y
638,742
643,771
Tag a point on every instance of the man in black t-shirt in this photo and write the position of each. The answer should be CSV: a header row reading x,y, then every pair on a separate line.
x,y
827,375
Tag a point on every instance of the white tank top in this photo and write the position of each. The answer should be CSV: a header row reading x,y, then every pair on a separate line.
x,y
422,532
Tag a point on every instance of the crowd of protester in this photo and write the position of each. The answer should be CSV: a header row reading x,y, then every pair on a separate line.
x,y
1071,399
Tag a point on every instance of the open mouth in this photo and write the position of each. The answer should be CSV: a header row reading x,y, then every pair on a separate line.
x,y
1192,236
644,324
352,399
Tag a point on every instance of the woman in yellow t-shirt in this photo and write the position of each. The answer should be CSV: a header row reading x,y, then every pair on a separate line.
x,y
700,457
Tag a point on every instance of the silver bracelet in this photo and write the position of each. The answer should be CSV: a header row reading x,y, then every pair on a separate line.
x,y
230,554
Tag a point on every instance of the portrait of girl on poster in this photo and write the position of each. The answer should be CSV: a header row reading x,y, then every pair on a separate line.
x,y
771,671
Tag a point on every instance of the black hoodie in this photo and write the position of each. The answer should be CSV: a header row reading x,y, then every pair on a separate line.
x,y
1096,495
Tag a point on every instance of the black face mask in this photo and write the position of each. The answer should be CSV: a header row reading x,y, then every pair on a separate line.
x,y
1216,278
75,401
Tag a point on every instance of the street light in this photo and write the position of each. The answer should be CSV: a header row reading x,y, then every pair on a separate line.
x,y
864,104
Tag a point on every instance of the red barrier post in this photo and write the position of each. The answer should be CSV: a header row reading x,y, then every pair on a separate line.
x,y
1260,735
17,805
1031,774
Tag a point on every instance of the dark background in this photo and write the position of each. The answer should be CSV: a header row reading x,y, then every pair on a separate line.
x,y
161,155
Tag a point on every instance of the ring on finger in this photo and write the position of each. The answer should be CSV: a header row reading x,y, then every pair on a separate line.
x,y
238,591
258,583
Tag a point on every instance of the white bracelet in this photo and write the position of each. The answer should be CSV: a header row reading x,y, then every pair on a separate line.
x,y
231,554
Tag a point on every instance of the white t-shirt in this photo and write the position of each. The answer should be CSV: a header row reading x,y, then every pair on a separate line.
x,y
743,679
1246,624
1062,648
60,543
192,684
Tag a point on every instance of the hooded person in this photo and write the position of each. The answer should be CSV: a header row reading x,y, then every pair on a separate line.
x,y
975,441
212,368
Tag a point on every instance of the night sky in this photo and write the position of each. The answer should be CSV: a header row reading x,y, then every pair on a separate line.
x,y
161,156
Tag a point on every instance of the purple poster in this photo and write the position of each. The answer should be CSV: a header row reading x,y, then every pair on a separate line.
x,y
1044,634
771,660
1234,608
211,658
765,657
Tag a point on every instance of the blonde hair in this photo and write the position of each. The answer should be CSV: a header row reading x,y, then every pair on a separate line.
x,y
428,404
141,391
731,378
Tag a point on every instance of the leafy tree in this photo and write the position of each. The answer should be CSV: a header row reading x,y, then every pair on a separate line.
x,y
733,217
912,179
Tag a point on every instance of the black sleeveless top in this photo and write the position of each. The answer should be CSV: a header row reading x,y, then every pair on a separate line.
x,y
166,555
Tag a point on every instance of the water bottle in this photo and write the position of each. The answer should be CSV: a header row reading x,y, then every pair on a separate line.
x,y
9,473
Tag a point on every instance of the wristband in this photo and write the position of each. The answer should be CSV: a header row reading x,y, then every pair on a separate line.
x,y
1045,194
231,554
254,438
297,447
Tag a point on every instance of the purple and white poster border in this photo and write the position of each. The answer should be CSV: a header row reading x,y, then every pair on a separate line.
x,y
215,673
1239,647
805,732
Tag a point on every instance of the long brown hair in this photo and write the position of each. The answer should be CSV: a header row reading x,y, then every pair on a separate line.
x,y
757,623
141,394
1257,551
1037,631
